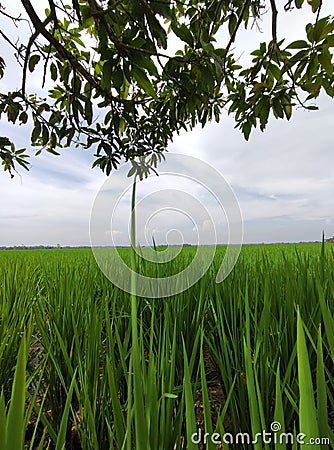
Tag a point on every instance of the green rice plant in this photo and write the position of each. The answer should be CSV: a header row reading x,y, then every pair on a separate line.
x,y
279,412
137,355
12,423
33,404
253,398
61,438
19,286
206,401
257,303
189,402
322,407
308,423
327,316
127,371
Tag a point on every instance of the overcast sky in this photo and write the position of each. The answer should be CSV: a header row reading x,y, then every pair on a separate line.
x,y
283,180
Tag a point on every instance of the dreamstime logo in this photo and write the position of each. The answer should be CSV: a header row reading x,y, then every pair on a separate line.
x,y
190,200
274,436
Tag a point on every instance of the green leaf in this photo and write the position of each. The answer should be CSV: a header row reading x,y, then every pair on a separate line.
x,y
61,439
45,135
189,401
313,67
117,78
116,404
53,70
36,132
33,61
158,32
183,33
321,389
52,151
125,89
208,79
2,421
138,42
168,395
315,5
278,109
131,172
20,151
300,56
107,74
279,410
89,111
246,129
309,32
232,23
162,8
275,71
298,44
312,108
253,401
15,417
262,109
206,401
325,59
2,67
143,82
299,3
145,62
286,103
319,30
327,318
23,117
329,41
13,111
307,412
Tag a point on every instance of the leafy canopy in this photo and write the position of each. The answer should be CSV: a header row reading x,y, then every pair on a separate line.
x,y
118,86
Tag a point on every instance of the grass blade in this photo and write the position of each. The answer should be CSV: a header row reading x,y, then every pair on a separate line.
x,y
327,318
189,400
61,439
2,421
321,392
15,418
252,397
206,402
279,412
307,413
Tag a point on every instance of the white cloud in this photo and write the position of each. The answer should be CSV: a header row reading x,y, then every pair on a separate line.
x,y
283,179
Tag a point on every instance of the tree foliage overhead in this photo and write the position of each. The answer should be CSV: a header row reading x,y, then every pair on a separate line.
x,y
115,83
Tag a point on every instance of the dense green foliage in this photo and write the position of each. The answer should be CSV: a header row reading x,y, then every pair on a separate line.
x,y
124,76
268,328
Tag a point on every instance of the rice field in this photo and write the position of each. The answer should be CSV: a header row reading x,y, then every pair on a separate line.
x,y
244,364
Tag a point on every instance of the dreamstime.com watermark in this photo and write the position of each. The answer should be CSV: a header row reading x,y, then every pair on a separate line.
x,y
188,189
274,436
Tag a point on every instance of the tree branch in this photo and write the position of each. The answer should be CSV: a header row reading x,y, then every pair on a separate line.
x,y
14,19
76,8
233,35
32,39
53,13
8,40
274,13
65,54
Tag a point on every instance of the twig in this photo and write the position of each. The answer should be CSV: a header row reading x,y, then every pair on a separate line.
x,y
32,39
319,9
14,19
9,41
234,33
274,13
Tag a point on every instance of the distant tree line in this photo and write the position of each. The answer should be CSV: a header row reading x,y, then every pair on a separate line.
x,y
37,247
